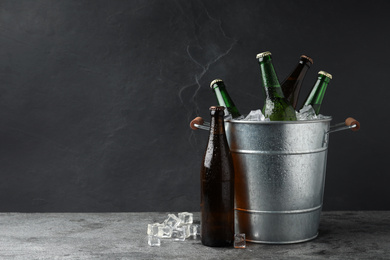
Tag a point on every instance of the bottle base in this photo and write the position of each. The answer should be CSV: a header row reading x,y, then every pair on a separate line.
x,y
224,243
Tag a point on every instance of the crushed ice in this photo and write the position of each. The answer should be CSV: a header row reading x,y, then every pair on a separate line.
x,y
256,115
306,113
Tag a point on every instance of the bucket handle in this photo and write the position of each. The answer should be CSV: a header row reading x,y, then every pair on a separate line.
x,y
199,123
349,123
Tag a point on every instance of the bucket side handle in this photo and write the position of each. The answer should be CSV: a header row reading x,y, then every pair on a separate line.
x,y
349,123
199,123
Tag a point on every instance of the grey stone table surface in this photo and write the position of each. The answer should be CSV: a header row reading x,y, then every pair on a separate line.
x,y
342,235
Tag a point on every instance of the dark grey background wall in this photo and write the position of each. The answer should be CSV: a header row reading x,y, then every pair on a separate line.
x,y
96,96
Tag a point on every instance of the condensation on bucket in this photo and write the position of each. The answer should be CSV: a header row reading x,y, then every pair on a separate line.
x,y
280,175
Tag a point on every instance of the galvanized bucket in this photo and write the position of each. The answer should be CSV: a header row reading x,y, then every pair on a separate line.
x,y
280,178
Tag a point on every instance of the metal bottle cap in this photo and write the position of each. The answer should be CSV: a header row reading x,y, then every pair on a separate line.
x,y
307,58
326,74
215,81
263,54
217,108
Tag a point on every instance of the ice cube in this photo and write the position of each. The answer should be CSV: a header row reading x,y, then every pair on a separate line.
x,y
241,117
306,113
164,231
153,229
186,217
228,117
154,241
178,234
256,115
194,230
186,229
172,221
239,240
319,116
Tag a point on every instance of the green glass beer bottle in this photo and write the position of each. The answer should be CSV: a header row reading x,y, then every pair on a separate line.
x,y
217,186
291,86
219,89
317,93
276,107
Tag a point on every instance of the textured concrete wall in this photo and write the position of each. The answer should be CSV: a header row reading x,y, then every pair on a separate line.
x,y
96,96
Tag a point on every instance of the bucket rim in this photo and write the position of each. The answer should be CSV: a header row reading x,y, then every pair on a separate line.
x,y
234,121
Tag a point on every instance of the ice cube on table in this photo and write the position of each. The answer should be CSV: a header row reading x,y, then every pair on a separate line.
x,y
186,218
153,229
239,240
154,241
190,230
172,221
194,230
164,231
256,115
178,234
306,113
186,229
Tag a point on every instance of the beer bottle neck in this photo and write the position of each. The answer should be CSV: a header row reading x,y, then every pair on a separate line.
x,y
225,100
300,70
318,92
269,78
217,123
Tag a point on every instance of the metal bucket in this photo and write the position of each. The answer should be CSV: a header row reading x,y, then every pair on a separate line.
x,y
280,178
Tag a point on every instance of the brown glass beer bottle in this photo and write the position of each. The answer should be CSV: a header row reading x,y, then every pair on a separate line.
x,y
217,186
291,86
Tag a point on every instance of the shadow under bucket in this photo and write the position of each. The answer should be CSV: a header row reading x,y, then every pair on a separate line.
x,y
280,177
